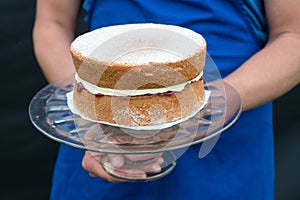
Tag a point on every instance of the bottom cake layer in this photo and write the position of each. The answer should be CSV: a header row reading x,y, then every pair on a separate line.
x,y
142,110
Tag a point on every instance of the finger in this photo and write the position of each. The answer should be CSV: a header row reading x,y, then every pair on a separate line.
x,y
116,160
141,157
96,155
95,169
129,173
93,175
153,167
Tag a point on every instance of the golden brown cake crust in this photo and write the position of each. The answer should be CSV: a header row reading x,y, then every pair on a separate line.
x,y
139,57
140,110
152,75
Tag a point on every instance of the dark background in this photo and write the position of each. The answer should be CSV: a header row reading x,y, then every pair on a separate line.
x,y
27,157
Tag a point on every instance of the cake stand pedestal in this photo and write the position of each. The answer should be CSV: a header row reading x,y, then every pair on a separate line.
x,y
50,114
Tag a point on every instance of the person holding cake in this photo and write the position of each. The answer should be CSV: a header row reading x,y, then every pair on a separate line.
x,y
256,46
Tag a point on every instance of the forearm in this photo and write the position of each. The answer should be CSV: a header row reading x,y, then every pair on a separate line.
x,y
52,50
270,73
52,36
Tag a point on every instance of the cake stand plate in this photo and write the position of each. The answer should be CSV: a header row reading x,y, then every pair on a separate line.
x,y
51,115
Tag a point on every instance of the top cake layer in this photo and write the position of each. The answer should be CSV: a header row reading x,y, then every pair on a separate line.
x,y
139,56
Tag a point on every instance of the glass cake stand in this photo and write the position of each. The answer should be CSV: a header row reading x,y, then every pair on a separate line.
x,y
152,151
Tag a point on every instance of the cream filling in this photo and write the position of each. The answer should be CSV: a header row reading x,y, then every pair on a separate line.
x,y
114,92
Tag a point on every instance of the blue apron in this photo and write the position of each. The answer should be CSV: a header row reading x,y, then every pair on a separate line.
x,y
241,165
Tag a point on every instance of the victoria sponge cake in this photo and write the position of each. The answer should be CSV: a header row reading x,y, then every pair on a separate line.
x,y
137,75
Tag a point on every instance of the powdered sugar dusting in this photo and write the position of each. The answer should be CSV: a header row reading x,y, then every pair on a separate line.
x,y
139,43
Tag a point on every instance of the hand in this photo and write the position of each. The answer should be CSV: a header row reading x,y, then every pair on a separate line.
x,y
126,166
92,163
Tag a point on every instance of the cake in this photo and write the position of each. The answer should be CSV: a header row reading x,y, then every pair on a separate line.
x,y
137,75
